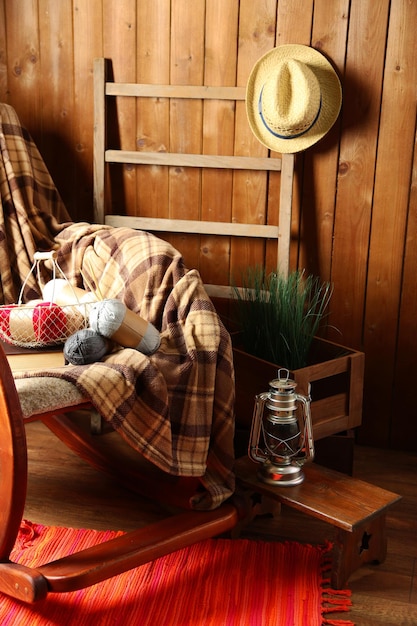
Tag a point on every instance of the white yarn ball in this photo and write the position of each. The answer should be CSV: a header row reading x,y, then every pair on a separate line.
x,y
52,288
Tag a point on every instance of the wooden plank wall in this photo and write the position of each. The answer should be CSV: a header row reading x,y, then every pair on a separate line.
x,y
355,212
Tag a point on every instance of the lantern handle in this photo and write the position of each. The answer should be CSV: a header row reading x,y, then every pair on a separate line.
x,y
306,401
253,450
283,374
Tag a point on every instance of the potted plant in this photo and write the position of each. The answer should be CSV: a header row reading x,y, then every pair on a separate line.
x,y
278,319
278,316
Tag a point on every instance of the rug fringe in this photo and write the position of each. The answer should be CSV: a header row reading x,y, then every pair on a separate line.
x,y
333,600
337,602
27,534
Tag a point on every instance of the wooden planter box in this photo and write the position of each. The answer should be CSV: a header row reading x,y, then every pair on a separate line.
x,y
336,377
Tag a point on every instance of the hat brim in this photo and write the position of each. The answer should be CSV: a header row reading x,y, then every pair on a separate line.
x,y
331,96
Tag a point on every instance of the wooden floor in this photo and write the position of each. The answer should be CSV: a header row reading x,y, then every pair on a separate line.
x,y
63,490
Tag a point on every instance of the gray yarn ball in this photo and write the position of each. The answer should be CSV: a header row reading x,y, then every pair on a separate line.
x,y
106,316
151,340
86,346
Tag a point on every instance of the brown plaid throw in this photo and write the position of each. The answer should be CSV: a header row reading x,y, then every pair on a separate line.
x,y
31,210
176,407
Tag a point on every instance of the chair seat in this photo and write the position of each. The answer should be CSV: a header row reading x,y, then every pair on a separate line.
x,y
44,394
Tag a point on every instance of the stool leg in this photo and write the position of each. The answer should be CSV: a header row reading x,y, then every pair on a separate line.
x,y
366,544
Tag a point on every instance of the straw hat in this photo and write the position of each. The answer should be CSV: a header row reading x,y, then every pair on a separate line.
x,y
293,98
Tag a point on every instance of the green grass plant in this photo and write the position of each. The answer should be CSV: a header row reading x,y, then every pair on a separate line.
x,y
279,315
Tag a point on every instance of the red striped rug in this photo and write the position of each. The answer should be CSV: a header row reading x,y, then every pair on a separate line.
x,y
218,582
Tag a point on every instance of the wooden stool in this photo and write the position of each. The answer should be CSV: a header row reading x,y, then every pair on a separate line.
x,y
355,508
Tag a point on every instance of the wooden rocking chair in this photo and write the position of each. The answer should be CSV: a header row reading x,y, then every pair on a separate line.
x,y
103,561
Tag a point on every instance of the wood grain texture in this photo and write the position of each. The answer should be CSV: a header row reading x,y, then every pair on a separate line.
x,y
87,47
119,43
153,66
407,337
320,166
348,502
218,135
187,68
56,50
23,62
256,35
183,159
391,206
3,53
358,146
294,24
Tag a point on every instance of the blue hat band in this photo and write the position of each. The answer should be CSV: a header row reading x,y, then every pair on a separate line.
x,y
300,134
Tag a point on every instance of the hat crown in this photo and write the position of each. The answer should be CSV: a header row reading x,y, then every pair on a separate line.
x,y
290,98
293,98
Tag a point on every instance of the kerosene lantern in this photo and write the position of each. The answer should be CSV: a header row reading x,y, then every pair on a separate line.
x,y
282,434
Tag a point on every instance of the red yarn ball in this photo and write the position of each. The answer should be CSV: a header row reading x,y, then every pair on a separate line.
x,y
5,321
49,322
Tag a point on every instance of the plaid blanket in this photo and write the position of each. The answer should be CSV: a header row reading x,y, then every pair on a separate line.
x,y
31,210
176,407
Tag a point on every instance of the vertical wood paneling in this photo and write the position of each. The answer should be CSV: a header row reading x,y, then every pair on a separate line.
x,y
3,53
87,29
256,36
358,145
389,216
119,45
23,62
153,66
354,217
187,68
219,118
56,57
403,432
321,162
294,23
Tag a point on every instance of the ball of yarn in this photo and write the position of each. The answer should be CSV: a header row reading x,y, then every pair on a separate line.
x,y
5,312
113,319
107,316
63,293
150,341
53,288
49,322
86,346
35,322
